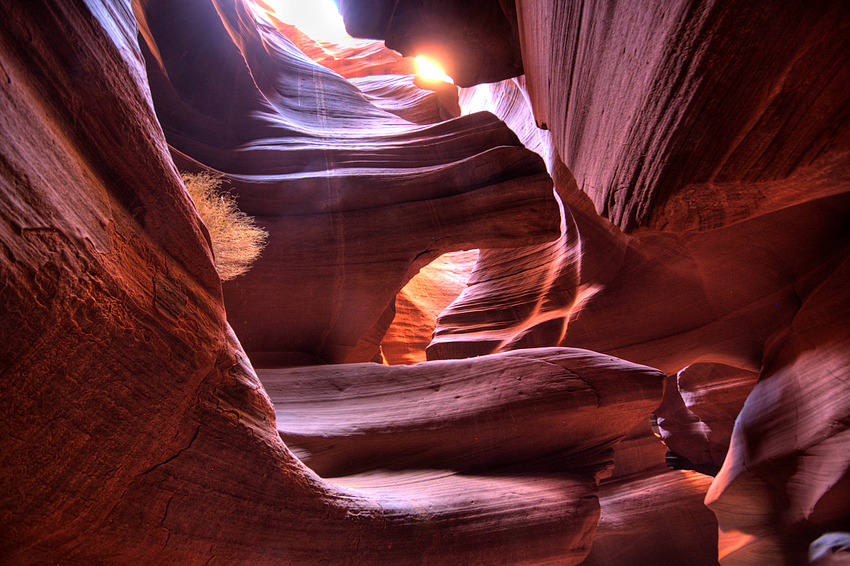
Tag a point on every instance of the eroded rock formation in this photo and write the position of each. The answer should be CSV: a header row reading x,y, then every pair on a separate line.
x,y
355,199
135,429
420,302
713,137
542,409
655,138
697,415
476,42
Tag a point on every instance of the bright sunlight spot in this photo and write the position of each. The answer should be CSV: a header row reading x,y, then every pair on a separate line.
x,y
429,70
319,19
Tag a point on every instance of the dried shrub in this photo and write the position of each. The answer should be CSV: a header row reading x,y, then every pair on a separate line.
x,y
236,240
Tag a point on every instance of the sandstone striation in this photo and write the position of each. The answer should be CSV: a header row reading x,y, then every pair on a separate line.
x,y
387,79
334,179
420,302
413,98
658,519
135,429
698,413
662,110
684,298
546,408
725,294
657,106
698,229
359,58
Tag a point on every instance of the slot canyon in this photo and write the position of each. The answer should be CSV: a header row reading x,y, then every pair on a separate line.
x,y
590,305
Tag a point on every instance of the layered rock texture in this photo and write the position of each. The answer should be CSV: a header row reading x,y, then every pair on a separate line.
x,y
135,429
687,117
420,302
546,408
681,297
355,199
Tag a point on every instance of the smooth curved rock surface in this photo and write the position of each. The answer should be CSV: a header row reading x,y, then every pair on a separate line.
x,y
413,98
553,408
526,292
786,475
688,300
724,295
388,80
420,302
135,429
661,102
697,416
831,549
359,58
355,199
659,520
469,514
670,114
629,531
